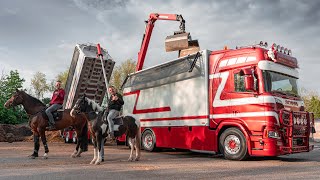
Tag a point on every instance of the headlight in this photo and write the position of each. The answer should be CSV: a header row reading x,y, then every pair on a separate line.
x,y
295,120
273,134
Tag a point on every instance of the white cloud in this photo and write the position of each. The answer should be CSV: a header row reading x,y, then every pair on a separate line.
x,y
46,44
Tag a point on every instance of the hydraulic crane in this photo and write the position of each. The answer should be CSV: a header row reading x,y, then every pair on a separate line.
x,y
178,41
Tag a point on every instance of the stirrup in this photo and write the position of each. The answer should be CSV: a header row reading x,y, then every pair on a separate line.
x,y
51,127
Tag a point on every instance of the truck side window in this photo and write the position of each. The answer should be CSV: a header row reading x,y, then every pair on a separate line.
x,y
239,83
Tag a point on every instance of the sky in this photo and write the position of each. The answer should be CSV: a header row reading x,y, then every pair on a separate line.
x,y
40,35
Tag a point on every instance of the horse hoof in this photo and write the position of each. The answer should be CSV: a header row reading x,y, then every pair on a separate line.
x,y
73,156
93,161
45,157
130,159
33,156
102,160
137,159
97,163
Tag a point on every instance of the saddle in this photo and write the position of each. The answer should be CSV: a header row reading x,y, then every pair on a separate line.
x,y
57,115
117,122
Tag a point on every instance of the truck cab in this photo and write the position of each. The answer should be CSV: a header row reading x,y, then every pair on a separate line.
x,y
255,90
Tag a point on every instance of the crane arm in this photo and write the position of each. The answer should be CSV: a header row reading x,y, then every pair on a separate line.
x,y
153,17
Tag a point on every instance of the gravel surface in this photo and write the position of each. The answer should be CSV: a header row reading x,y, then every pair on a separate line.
x,y
167,164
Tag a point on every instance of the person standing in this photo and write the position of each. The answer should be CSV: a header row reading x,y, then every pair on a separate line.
x,y
55,103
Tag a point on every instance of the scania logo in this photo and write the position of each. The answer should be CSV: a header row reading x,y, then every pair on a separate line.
x,y
291,103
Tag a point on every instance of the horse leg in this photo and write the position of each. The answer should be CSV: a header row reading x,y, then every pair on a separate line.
x,y
73,155
45,145
102,149
79,144
132,140
95,155
99,142
137,145
36,145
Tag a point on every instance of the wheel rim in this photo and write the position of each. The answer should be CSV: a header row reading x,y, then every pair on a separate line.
x,y
74,136
232,144
148,141
67,136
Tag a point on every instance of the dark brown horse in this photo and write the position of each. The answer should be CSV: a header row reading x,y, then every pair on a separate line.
x,y
98,126
38,122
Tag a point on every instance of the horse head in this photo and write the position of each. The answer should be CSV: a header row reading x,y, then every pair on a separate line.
x,y
86,105
80,106
15,99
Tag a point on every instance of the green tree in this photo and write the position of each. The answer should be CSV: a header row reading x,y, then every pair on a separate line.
x,y
62,76
312,101
8,85
120,73
46,100
39,84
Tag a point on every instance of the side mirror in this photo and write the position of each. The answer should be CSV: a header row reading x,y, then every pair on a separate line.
x,y
249,83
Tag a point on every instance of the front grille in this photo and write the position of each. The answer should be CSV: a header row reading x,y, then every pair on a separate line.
x,y
295,132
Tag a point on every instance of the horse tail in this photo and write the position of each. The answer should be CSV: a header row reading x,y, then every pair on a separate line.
x,y
84,137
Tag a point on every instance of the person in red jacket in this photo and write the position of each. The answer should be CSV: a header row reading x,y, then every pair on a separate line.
x,y
55,103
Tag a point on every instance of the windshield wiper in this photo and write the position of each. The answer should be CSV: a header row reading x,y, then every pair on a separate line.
x,y
279,92
285,93
292,94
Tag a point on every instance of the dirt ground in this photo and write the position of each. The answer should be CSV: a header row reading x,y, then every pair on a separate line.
x,y
166,164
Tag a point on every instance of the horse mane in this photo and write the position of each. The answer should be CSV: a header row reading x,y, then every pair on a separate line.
x,y
33,99
95,106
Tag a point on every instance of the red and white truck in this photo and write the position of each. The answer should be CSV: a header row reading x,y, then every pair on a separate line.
x,y
239,102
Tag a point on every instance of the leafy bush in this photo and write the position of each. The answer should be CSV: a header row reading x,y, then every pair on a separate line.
x,y
8,85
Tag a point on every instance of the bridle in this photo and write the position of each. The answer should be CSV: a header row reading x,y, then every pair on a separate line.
x,y
82,107
14,101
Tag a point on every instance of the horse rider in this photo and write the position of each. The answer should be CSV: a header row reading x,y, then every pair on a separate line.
x,y
114,106
55,103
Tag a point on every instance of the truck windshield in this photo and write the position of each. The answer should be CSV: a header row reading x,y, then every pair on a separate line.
x,y
275,82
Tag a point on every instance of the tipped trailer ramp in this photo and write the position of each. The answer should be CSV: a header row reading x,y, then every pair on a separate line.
x,y
86,77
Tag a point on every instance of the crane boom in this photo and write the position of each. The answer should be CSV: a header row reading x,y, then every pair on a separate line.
x,y
153,17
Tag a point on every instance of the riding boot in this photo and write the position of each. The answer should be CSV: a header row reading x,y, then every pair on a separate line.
x,y
112,135
51,126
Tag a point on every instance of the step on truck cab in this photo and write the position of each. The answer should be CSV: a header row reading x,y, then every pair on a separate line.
x,y
239,102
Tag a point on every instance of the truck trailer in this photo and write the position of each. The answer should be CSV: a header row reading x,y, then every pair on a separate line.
x,y
238,102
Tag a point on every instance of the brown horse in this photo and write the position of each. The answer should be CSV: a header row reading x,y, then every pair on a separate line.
x,y
38,122
98,124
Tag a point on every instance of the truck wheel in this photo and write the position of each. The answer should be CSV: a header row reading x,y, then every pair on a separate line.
x,y
149,141
233,145
74,137
66,137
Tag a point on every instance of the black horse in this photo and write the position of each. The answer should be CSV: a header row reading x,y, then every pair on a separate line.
x,y
39,122
98,126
